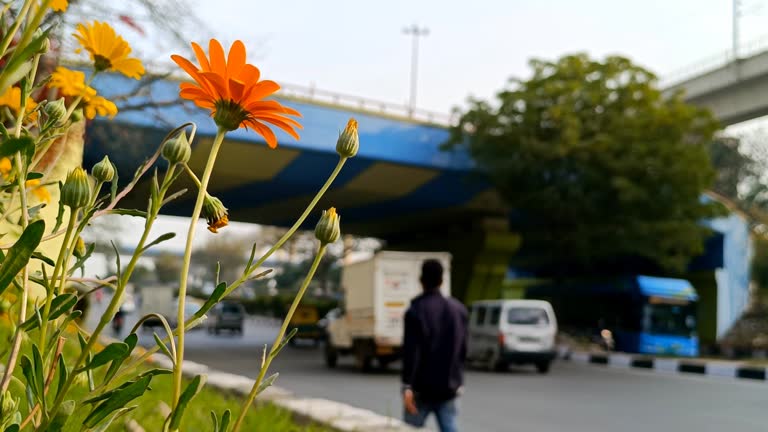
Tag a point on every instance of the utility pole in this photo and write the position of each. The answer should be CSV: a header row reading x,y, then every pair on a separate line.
x,y
415,31
735,27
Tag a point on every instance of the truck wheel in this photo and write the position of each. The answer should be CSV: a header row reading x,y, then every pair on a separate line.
x,y
331,356
543,367
362,360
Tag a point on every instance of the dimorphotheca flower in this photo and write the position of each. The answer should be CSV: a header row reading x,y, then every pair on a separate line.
x,y
230,88
108,50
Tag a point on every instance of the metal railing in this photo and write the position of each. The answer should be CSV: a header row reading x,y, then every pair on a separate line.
x,y
709,64
313,95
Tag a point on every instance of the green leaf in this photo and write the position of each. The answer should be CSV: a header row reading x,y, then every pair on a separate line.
x,y
34,176
19,254
225,418
117,400
59,306
131,340
117,260
37,363
266,383
284,342
43,258
162,238
113,189
129,212
13,145
12,428
215,421
110,352
163,347
60,214
29,374
13,73
192,389
63,375
214,298
80,263
119,413
62,415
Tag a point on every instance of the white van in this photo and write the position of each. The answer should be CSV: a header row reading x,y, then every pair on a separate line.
x,y
504,332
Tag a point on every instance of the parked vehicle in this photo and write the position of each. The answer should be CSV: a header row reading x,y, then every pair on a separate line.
x,y
644,314
226,316
504,332
304,321
377,293
325,321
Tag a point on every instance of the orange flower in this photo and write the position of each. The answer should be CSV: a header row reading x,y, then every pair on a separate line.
x,y
231,89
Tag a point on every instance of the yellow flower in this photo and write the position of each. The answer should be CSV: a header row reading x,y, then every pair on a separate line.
x,y
12,99
71,83
5,167
59,5
40,192
97,105
108,50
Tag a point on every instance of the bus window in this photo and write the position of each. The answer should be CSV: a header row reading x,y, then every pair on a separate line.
x,y
667,319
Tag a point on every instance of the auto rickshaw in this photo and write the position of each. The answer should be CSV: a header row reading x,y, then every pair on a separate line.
x,y
305,320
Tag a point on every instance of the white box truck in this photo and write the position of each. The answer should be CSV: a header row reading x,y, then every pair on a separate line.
x,y
377,292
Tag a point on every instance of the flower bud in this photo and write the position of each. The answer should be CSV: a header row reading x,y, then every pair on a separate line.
x,y
215,213
77,115
7,406
103,171
46,44
349,141
5,306
80,250
76,191
328,229
56,110
177,150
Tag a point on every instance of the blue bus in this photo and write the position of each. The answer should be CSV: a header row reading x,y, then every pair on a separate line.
x,y
647,315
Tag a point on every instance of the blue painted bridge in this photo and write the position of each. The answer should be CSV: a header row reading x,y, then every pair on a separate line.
x,y
399,181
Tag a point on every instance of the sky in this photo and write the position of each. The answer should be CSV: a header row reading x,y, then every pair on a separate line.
x,y
358,48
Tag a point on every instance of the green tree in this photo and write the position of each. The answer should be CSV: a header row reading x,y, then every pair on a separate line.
x,y
229,250
167,267
596,162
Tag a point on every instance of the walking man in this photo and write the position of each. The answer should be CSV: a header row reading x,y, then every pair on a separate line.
x,y
434,349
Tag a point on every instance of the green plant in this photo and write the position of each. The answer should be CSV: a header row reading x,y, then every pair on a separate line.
x,y
46,205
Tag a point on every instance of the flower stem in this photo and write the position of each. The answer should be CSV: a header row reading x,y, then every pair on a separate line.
x,y
8,38
279,338
187,258
253,267
21,178
60,267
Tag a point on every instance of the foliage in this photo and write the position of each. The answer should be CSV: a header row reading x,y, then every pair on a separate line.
x,y
596,162
47,200
167,267
228,251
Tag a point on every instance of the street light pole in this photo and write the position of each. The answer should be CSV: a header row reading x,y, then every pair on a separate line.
x,y
415,31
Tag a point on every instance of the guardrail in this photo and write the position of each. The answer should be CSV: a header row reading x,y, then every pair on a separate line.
x,y
708,64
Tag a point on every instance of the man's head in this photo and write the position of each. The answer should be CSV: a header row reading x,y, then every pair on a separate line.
x,y
431,275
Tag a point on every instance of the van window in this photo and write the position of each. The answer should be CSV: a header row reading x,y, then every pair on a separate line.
x,y
479,315
527,316
495,314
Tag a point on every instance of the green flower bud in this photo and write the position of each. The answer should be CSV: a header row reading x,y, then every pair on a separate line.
x,y
328,228
177,150
76,191
77,115
349,141
56,111
7,406
103,171
215,213
80,250
46,45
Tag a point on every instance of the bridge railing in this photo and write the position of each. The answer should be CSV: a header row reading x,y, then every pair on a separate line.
x,y
708,64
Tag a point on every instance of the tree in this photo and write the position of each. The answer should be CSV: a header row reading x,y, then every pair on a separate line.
x,y
167,267
597,164
229,250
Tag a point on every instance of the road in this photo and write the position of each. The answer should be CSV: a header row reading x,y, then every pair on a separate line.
x,y
576,398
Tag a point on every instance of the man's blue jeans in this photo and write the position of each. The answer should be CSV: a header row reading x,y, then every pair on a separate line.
x,y
444,411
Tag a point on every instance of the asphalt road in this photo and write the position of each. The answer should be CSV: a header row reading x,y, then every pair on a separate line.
x,y
573,398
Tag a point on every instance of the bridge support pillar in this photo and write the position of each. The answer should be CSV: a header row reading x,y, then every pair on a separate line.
x,y
481,251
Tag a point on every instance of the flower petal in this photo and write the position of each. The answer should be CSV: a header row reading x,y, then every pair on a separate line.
x,y
236,58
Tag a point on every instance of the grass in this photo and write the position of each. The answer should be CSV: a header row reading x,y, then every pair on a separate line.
x,y
262,417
